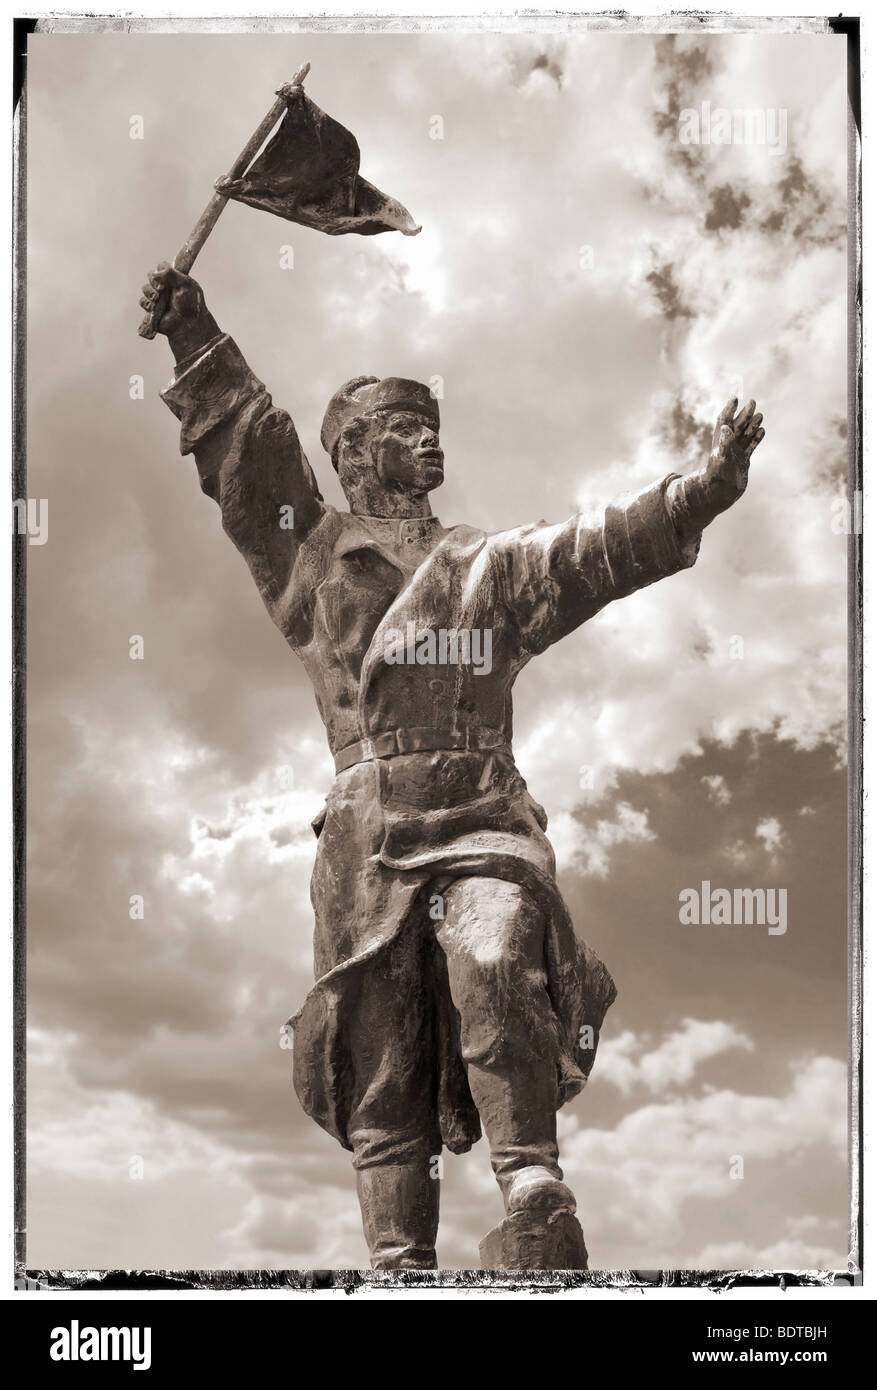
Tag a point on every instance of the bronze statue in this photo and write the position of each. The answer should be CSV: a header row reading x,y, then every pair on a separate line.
x,y
451,991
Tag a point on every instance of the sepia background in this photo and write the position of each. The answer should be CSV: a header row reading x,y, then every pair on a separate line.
x,y
694,732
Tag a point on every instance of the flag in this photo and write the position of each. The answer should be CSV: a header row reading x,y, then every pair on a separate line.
x,y
309,173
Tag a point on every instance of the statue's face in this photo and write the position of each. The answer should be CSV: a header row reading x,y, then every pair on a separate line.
x,y
406,452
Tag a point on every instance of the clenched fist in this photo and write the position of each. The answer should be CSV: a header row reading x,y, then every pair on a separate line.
x,y
182,314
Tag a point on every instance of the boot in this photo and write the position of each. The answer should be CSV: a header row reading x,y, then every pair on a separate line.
x,y
538,1189
540,1230
400,1211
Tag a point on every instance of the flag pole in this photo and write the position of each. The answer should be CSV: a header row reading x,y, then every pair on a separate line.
x,y
188,253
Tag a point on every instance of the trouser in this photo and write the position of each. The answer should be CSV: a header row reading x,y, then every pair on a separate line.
x,y
492,938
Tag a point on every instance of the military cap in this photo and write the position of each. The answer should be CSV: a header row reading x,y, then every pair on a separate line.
x,y
366,395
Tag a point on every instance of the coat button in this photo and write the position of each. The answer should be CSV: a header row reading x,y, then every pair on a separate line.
x,y
437,686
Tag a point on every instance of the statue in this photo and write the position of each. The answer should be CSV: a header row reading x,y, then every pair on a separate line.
x,y
451,992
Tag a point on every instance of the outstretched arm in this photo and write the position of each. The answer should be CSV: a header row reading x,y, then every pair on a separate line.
x,y
553,578
248,454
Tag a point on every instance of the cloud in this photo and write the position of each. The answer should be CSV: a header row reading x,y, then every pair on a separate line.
x,y
667,292
666,1170
654,1189
524,68
771,833
629,1060
782,1254
588,848
719,791
727,209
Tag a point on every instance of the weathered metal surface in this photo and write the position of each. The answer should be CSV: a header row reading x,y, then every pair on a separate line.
x,y
452,992
525,1242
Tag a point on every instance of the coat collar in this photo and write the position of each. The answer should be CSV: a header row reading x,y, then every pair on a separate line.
x,y
394,528
391,535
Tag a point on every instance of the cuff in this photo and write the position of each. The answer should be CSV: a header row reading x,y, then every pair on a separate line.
x,y
641,541
209,389
689,521
190,358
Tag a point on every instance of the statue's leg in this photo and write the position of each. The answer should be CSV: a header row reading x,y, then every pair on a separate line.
x,y
393,1127
400,1212
493,937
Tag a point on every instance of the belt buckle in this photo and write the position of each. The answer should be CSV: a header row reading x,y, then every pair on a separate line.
x,y
368,749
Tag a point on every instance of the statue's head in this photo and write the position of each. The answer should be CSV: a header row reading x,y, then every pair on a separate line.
x,y
383,435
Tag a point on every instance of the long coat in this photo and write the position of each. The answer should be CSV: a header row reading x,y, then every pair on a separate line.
x,y
449,801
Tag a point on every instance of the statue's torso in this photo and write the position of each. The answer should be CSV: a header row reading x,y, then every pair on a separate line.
x,y
357,580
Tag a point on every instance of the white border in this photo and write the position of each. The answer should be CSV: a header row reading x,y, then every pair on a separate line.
x,y
443,12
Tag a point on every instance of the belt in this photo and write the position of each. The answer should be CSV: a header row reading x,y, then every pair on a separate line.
x,y
426,739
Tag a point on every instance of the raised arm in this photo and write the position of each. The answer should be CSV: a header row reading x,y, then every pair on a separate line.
x,y
553,578
247,451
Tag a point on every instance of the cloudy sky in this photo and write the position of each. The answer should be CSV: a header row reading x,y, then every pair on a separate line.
x,y
693,732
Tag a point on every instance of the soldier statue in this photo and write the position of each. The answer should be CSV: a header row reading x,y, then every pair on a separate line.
x,y
452,994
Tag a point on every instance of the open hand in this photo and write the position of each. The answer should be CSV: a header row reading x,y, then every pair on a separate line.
x,y
734,439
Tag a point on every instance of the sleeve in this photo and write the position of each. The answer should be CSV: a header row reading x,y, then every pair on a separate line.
x,y
249,460
553,578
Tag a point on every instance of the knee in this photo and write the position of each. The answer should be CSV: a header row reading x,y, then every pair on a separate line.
x,y
490,923
493,940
